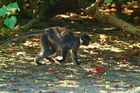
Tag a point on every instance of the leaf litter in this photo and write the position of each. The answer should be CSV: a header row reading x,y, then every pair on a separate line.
x,y
109,64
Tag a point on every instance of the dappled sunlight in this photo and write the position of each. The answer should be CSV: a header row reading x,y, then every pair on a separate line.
x,y
115,49
20,73
108,28
109,63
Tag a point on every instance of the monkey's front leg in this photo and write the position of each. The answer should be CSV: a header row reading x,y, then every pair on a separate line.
x,y
74,57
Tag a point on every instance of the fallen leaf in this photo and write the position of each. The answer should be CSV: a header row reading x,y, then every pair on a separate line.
x,y
107,86
89,72
116,81
133,53
128,35
35,40
98,77
13,84
66,82
99,69
37,81
129,85
129,55
10,50
104,41
107,82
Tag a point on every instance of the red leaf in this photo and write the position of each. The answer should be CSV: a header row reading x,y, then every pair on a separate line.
x,y
35,40
99,69
89,72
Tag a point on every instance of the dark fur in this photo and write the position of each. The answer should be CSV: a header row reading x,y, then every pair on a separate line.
x,y
62,39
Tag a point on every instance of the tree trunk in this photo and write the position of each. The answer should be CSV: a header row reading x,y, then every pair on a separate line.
x,y
94,10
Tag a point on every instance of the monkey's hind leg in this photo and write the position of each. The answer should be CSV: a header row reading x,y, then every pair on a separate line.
x,y
45,48
64,53
44,55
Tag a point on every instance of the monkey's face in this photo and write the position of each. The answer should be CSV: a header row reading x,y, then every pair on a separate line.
x,y
85,39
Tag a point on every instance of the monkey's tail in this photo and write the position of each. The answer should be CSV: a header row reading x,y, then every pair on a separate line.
x,y
26,34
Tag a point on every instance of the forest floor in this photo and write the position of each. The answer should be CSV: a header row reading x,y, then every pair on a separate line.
x,y
110,64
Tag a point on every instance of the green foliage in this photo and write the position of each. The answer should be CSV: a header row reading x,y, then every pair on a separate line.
x,y
10,22
3,11
7,14
5,30
108,1
9,9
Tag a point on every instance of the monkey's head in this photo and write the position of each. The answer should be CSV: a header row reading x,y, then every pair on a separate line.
x,y
84,39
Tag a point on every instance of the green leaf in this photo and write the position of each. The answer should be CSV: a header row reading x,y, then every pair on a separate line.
x,y
3,11
105,73
108,1
12,5
10,22
5,30
107,82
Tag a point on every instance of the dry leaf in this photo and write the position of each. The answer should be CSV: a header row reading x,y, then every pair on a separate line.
x,y
99,69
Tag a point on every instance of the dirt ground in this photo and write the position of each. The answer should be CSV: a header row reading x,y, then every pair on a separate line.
x,y
116,51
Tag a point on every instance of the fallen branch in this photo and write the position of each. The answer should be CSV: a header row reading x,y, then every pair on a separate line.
x,y
95,11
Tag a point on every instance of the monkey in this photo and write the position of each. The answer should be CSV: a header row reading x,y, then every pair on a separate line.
x,y
55,39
